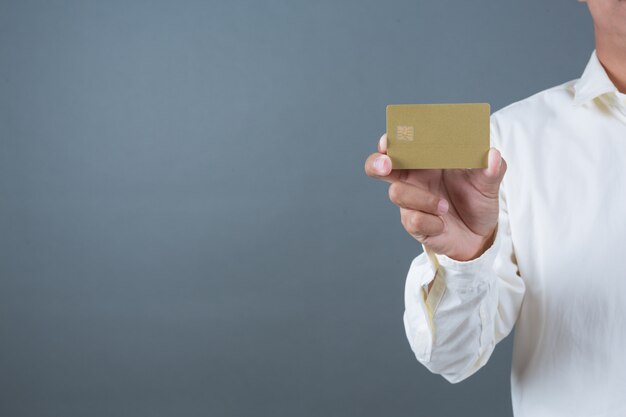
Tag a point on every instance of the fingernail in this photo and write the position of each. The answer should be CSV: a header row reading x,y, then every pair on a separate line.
x,y
379,164
443,206
492,156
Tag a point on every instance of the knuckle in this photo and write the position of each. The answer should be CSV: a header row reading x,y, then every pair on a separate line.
x,y
413,222
408,221
395,193
405,219
417,222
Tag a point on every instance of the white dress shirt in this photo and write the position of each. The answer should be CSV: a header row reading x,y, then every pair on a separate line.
x,y
557,268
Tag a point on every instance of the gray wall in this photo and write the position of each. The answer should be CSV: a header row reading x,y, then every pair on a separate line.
x,y
185,225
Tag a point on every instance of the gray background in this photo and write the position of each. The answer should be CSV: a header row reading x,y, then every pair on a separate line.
x,y
185,225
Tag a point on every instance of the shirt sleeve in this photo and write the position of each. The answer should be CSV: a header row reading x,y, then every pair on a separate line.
x,y
471,306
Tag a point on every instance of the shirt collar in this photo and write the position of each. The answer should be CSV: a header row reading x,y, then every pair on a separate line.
x,y
593,83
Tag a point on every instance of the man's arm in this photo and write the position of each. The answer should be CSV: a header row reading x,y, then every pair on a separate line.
x,y
471,305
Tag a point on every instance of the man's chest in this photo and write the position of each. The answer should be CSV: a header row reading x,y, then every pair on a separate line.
x,y
566,196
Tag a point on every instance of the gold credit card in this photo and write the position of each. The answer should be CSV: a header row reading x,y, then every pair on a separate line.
x,y
438,135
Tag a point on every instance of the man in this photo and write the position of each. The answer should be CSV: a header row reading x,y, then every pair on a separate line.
x,y
536,240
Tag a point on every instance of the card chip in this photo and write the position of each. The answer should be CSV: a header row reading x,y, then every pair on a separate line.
x,y
404,133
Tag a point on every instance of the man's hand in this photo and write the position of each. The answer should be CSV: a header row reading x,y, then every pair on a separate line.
x,y
451,211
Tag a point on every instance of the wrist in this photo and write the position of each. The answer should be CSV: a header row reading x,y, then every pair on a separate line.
x,y
484,244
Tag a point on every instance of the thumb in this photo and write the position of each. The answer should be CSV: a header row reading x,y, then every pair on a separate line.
x,y
487,180
496,166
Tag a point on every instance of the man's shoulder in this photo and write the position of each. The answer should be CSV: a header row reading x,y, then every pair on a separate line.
x,y
542,106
